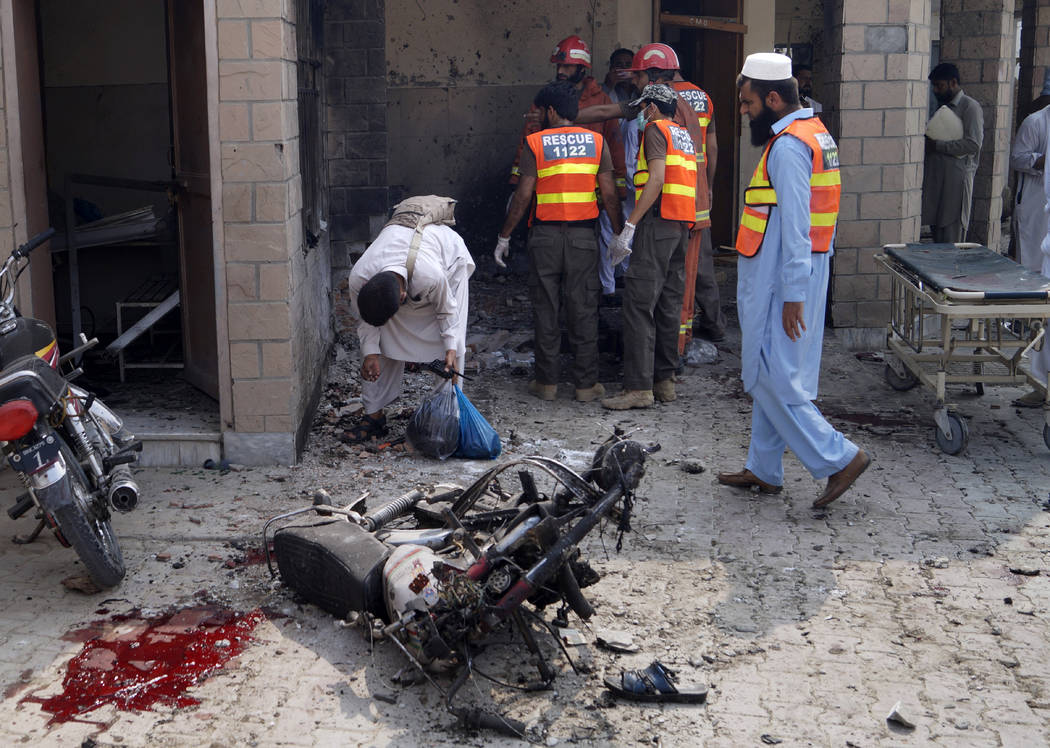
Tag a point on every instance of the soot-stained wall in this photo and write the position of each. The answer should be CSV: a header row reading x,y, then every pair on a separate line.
x,y
461,73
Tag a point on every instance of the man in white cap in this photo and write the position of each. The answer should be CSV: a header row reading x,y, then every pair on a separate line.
x,y
785,245
947,180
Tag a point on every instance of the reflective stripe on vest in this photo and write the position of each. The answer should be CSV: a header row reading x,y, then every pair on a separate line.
x,y
678,196
825,189
698,99
567,161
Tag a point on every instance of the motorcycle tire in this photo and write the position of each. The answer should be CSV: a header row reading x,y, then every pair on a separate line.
x,y
90,536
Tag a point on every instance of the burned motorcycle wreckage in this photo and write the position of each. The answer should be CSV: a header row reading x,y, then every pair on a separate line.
x,y
444,566
70,451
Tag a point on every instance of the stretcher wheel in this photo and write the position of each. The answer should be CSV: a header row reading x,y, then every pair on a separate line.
x,y
960,435
898,381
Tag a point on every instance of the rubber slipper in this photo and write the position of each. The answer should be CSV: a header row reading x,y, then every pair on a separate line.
x,y
656,683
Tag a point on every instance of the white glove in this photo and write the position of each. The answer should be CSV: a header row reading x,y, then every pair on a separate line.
x,y
502,249
620,248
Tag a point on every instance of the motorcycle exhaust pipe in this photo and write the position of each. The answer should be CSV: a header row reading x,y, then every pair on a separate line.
x,y
123,490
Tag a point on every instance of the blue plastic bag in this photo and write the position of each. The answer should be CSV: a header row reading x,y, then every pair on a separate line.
x,y
477,439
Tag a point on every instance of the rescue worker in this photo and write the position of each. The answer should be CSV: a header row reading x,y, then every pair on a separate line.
x,y
572,60
947,182
701,306
664,212
658,63
412,304
619,87
563,165
785,242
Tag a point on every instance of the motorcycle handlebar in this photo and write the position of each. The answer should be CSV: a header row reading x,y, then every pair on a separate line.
x,y
33,243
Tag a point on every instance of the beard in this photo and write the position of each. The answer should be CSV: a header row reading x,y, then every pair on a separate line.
x,y
807,91
762,126
575,78
944,98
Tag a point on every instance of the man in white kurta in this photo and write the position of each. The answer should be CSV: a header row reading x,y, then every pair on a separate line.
x,y
1041,359
432,320
950,165
1027,158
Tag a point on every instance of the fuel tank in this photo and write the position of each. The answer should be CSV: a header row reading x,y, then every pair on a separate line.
x,y
25,336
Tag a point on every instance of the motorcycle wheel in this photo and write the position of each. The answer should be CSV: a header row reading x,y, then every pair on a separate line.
x,y
90,535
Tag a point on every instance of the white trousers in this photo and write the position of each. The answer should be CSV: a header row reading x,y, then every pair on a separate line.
x,y
388,387
777,425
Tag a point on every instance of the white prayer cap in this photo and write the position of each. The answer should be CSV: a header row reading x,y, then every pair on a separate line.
x,y
767,66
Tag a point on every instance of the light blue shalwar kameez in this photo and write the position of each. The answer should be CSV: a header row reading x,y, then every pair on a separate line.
x,y
780,375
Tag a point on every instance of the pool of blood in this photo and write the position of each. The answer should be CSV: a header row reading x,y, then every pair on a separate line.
x,y
135,662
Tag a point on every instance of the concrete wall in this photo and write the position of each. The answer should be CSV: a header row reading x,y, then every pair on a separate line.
x,y
462,72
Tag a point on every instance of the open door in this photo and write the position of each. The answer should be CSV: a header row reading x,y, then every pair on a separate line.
x,y
710,50
189,111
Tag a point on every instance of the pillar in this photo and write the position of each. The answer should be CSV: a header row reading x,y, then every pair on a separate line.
x,y
880,52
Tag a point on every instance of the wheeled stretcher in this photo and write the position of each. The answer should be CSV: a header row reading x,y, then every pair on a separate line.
x,y
962,314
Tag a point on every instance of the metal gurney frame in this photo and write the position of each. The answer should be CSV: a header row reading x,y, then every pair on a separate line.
x,y
999,329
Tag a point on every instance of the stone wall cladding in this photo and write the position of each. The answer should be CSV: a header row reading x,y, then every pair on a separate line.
x,y
259,133
881,57
356,136
979,39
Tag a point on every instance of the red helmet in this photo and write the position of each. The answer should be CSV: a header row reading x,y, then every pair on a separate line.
x,y
572,51
655,55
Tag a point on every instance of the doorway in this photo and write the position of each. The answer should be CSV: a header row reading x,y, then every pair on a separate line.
x,y
708,37
125,151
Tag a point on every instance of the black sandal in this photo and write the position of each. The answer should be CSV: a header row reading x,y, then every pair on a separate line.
x,y
365,429
655,683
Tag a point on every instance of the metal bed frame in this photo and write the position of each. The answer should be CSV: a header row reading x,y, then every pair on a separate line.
x,y
978,330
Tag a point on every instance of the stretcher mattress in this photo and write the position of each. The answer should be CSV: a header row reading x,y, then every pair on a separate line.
x,y
975,269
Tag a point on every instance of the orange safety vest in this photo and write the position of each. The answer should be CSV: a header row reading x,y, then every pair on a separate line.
x,y
698,99
678,196
699,102
567,161
824,183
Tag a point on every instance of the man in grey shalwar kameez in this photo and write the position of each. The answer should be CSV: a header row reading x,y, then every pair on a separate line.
x,y
947,184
